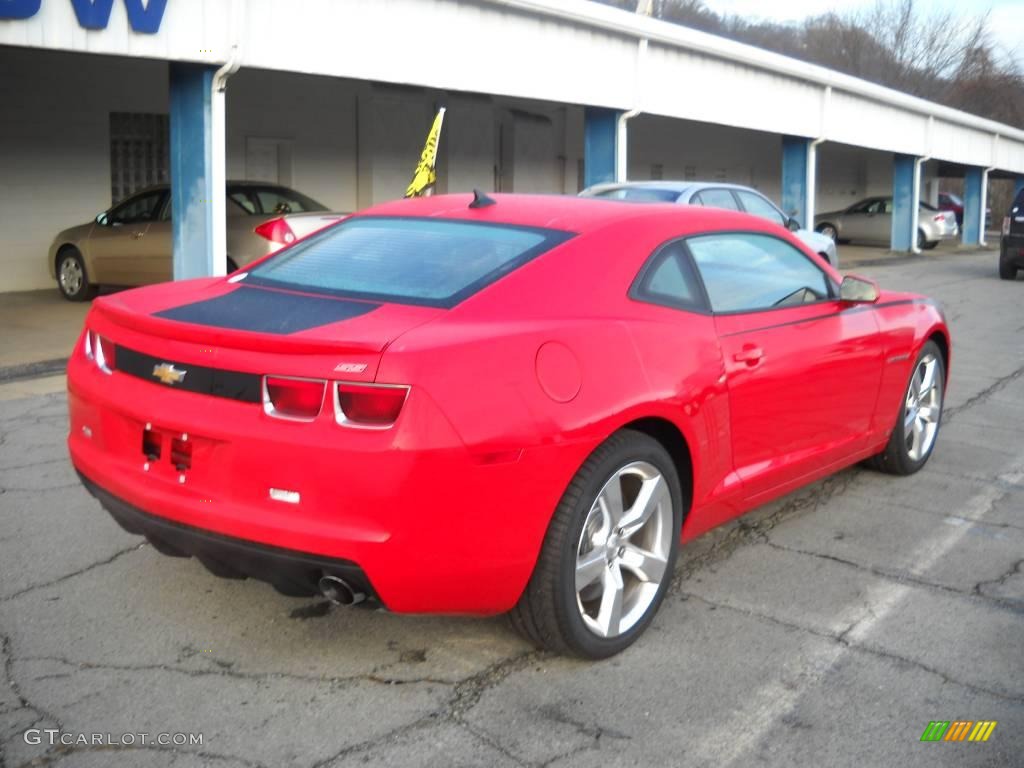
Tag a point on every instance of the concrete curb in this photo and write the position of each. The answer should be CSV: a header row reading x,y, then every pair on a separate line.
x,y
36,370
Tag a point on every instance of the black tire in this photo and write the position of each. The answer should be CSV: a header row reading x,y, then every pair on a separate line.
x,y
73,290
547,613
927,246
896,459
1006,270
829,230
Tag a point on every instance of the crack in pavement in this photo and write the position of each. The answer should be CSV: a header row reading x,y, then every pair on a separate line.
x,y
61,751
466,694
905,577
73,574
1015,569
948,414
227,672
841,638
751,528
40,714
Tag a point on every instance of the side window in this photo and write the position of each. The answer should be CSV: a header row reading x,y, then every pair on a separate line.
x,y
134,209
861,207
232,209
716,198
746,272
754,204
669,279
885,206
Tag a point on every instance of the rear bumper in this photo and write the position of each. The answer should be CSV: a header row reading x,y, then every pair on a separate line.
x,y
291,573
1011,250
935,234
434,526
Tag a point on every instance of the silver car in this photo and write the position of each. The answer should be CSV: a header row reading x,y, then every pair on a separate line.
x,y
870,220
714,194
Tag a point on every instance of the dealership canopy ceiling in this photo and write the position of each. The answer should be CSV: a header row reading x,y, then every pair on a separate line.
x,y
569,51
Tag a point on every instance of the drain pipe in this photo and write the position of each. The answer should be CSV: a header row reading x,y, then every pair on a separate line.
x,y
811,181
621,144
218,163
984,191
984,205
643,8
918,162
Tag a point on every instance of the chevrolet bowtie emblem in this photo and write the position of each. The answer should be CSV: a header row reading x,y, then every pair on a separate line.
x,y
168,374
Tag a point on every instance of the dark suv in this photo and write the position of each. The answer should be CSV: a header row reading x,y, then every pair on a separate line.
x,y
1011,245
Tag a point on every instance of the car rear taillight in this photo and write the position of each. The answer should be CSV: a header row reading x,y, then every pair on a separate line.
x,y
293,399
1006,225
276,231
939,217
370,406
101,351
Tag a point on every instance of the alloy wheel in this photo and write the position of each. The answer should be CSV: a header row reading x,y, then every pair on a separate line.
x,y
623,551
923,408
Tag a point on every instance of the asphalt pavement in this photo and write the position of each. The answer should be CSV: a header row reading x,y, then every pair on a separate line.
x,y
826,629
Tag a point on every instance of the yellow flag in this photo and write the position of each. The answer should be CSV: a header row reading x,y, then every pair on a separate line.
x,y
425,174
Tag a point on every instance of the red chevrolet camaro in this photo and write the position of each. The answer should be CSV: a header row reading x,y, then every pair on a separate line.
x,y
522,404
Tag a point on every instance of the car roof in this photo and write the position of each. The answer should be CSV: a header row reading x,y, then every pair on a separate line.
x,y
669,186
567,213
229,183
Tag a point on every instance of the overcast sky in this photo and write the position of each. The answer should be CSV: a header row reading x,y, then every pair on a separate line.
x,y
1006,20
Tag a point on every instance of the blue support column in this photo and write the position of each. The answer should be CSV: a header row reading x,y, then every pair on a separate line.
x,y
1018,185
191,161
600,129
795,193
974,181
904,203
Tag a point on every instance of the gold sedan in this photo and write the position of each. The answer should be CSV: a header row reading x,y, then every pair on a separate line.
x,y
130,244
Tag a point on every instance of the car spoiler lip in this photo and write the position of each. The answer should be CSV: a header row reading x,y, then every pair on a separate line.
x,y
223,337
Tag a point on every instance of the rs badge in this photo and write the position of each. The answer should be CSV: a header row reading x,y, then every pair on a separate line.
x,y
168,374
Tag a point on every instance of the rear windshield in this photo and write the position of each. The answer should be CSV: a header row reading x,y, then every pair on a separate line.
x,y
639,195
436,262
278,201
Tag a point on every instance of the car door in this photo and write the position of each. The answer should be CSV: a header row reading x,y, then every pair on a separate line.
x,y
116,241
856,220
802,368
879,222
156,254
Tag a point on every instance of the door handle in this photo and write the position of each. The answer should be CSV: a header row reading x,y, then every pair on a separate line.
x,y
750,355
137,235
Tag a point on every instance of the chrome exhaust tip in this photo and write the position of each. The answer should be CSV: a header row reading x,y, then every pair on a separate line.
x,y
339,591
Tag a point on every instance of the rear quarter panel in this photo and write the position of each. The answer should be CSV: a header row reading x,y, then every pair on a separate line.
x,y
483,366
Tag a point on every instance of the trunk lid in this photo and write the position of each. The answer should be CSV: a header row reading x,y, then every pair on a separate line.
x,y
231,326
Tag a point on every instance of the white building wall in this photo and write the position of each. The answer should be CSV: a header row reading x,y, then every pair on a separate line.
x,y
314,118
683,150
576,52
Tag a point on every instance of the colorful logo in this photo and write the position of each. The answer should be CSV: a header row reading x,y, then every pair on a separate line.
x,y
959,730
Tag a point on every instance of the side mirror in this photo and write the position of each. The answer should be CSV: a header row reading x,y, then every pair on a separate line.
x,y
858,290
792,224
